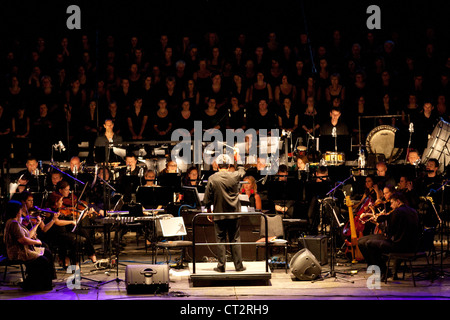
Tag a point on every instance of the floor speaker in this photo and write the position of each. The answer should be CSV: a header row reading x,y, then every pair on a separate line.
x,y
304,266
147,278
317,245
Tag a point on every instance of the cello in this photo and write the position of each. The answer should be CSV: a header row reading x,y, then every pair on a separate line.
x,y
352,245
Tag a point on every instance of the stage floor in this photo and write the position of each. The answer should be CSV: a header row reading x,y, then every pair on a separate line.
x,y
352,282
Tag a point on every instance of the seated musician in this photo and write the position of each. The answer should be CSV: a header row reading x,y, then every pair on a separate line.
x,y
77,172
251,190
71,209
150,178
28,179
20,245
129,179
406,187
285,207
413,157
55,177
370,196
379,207
301,166
191,177
171,167
427,187
402,235
383,176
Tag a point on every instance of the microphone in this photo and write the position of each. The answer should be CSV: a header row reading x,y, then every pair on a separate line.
x,y
411,127
141,172
128,170
333,132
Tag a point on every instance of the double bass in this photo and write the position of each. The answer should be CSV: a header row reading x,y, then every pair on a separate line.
x,y
355,234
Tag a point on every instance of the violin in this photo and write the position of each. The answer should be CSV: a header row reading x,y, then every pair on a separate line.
x,y
74,211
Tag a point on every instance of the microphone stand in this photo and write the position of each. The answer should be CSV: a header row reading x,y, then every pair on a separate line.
x,y
335,225
441,226
411,130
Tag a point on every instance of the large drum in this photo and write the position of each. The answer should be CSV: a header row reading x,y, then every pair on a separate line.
x,y
381,140
437,145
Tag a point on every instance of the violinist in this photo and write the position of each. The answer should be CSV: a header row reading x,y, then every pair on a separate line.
x,y
71,210
61,237
380,207
402,234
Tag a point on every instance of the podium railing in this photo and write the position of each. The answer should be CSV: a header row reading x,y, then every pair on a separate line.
x,y
194,244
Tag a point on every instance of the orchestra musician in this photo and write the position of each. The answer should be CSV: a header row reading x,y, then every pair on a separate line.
x,y
129,179
60,236
71,209
251,190
402,234
150,178
102,143
21,245
28,179
383,177
191,177
428,188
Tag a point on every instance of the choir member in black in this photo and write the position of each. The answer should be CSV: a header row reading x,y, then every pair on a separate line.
x,y
402,234
212,117
163,122
288,120
264,118
236,115
5,137
186,117
137,119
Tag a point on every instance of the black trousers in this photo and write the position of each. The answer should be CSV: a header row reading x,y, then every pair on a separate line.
x,y
230,228
40,273
373,247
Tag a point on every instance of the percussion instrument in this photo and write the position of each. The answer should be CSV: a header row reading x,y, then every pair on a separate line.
x,y
381,140
301,150
334,158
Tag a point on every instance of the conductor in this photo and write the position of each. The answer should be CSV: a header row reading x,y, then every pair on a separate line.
x,y
222,191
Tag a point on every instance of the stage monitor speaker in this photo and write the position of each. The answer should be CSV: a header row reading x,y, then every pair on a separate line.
x,y
304,266
147,278
317,245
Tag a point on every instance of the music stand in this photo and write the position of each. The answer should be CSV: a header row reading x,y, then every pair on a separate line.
x,y
172,180
153,196
191,197
284,191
